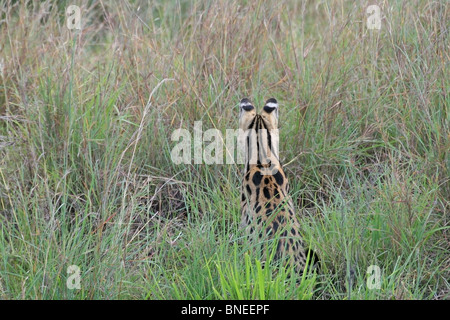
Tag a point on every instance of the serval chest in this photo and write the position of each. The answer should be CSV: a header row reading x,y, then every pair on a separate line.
x,y
266,208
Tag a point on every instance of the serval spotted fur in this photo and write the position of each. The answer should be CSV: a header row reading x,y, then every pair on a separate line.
x,y
266,208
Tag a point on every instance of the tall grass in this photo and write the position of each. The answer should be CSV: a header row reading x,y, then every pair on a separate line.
x,y
86,176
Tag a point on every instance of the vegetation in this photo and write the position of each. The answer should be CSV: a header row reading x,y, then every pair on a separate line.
x,y
86,119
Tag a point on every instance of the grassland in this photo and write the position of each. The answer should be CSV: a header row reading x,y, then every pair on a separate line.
x,y
86,118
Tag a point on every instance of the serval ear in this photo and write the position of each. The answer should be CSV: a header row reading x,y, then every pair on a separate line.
x,y
270,112
247,113
246,104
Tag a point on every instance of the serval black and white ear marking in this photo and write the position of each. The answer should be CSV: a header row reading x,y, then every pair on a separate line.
x,y
271,105
247,114
270,113
246,105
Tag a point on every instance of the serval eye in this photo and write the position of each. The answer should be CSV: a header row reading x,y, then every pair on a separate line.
x,y
246,104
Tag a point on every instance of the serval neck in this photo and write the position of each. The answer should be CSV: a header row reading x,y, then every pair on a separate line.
x,y
261,146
